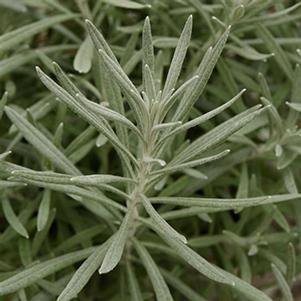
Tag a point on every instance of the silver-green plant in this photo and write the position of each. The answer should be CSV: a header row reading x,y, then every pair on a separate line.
x,y
171,183
143,127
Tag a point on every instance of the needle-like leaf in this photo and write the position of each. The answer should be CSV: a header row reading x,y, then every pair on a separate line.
x,y
197,121
217,135
44,210
127,4
282,283
133,96
94,180
115,250
147,46
3,102
275,48
224,203
178,58
161,289
17,36
204,71
13,219
41,270
83,273
190,164
211,271
134,288
41,142
160,221
83,59
179,285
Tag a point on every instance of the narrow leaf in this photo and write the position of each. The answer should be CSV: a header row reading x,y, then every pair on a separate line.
x,y
15,5
160,287
80,140
161,222
24,246
83,58
224,203
178,58
183,288
59,182
44,210
42,176
295,106
41,142
135,100
204,71
207,116
147,46
217,135
127,4
13,219
98,40
211,271
80,237
12,38
112,115
243,187
41,270
83,274
194,259
191,164
274,47
169,100
3,102
291,264
94,180
134,288
149,83
115,251
287,295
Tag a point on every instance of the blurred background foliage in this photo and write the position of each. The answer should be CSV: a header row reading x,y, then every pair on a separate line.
x,y
261,55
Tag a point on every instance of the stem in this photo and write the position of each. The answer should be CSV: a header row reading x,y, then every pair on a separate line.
x,y
142,177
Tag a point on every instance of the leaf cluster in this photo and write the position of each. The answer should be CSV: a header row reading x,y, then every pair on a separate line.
x,y
153,153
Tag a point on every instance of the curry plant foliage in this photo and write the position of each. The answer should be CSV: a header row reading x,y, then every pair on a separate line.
x,y
154,153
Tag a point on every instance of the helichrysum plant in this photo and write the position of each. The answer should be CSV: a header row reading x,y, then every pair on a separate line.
x,y
159,160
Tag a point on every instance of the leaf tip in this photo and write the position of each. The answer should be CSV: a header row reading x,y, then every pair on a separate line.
x,y
162,162
101,52
55,64
103,270
88,22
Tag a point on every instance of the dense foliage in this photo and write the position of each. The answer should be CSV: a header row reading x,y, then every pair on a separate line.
x,y
157,142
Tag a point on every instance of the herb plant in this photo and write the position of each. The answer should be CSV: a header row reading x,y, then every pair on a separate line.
x,y
161,153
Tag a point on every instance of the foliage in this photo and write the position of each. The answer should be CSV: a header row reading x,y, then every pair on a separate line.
x,y
157,143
